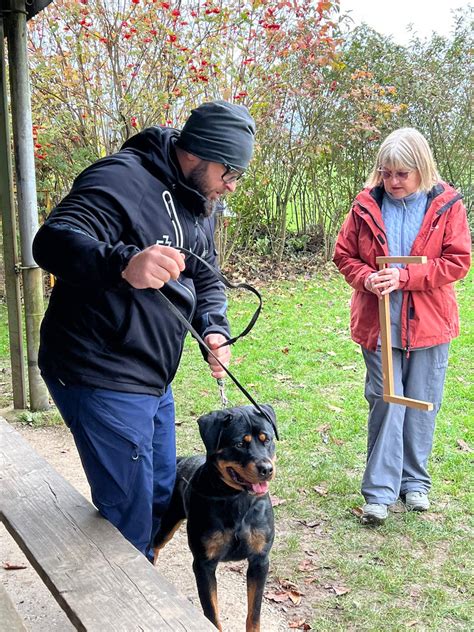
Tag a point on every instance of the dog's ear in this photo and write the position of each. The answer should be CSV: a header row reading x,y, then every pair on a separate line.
x,y
268,410
211,427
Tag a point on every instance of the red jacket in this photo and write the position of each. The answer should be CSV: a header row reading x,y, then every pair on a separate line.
x,y
429,308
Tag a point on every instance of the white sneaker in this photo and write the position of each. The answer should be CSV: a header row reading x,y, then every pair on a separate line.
x,y
417,501
374,513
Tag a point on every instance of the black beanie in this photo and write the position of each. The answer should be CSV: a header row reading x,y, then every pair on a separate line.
x,y
220,132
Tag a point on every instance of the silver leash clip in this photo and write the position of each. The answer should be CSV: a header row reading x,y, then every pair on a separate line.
x,y
223,396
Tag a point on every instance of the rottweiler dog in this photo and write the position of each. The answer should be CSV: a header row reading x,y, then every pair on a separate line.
x,y
224,497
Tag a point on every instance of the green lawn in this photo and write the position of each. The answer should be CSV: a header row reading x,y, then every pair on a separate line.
x,y
416,571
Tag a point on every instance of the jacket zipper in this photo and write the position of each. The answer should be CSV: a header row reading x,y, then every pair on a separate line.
x,y
374,220
407,348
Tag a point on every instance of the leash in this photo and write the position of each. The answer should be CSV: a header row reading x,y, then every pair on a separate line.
x,y
191,329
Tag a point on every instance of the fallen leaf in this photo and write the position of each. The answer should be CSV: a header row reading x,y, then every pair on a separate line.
x,y
235,568
335,409
357,511
295,597
411,624
299,624
331,353
338,441
286,583
278,596
323,428
321,490
463,446
339,590
306,565
285,350
282,378
277,501
310,525
311,580
8,566
349,367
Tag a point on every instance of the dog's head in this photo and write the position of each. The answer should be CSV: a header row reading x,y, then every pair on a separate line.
x,y
241,443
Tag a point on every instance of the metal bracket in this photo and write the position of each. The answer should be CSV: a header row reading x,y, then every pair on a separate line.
x,y
18,268
386,338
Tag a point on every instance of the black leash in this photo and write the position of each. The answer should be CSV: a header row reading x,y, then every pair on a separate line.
x,y
231,341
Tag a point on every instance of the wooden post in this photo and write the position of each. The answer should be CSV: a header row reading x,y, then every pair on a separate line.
x,y
386,338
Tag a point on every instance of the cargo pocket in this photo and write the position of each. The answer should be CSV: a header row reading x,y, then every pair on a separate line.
x,y
437,374
109,453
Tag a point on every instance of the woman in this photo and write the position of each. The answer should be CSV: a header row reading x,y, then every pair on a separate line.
x,y
405,209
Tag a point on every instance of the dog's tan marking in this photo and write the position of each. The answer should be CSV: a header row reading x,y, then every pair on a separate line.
x,y
263,437
248,438
157,549
250,624
256,540
216,543
215,608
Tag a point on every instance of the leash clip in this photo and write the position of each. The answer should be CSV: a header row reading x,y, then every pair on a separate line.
x,y
222,395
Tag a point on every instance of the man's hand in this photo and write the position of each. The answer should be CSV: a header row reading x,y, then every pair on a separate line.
x,y
383,282
153,267
213,341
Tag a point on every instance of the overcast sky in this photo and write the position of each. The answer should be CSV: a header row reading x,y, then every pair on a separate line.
x,y
391,17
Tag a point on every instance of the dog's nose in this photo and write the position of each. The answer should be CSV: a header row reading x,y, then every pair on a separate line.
x,y
265,469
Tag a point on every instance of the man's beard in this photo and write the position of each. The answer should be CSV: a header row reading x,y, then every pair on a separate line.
x,y
197,179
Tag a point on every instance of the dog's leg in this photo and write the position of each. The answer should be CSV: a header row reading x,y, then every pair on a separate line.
x,y
170,523
159,544
205,573
256,577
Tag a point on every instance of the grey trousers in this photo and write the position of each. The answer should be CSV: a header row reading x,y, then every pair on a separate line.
x,y
400,439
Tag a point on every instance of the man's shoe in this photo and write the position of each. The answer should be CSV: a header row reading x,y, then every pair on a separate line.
x,y
417,501
374,514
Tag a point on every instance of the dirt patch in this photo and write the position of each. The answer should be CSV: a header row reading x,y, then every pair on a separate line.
x,y
40,611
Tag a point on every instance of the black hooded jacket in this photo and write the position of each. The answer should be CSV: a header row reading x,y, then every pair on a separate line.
x,y
98,330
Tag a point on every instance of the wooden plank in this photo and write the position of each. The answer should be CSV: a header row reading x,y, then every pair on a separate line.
x,y
98,578
386,341
406,401
9,617
386,260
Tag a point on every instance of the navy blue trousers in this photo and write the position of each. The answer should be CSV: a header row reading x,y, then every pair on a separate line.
x,y
126,443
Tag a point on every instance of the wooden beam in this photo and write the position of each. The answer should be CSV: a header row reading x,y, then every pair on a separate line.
x,y
386,340
406,260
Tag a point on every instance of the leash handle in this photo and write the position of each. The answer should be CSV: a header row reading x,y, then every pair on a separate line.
x,y
232,286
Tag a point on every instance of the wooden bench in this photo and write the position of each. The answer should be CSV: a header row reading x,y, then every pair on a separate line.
x,y
98,578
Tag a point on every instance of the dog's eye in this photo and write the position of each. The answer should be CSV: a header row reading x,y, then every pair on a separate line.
x,y
240,444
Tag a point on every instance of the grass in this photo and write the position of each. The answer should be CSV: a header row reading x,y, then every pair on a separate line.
x,y
415,572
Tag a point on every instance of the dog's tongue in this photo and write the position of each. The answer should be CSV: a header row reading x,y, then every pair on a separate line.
x,y
260,488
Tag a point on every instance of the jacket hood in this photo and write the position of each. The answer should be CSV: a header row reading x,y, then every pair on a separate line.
x,y
154,146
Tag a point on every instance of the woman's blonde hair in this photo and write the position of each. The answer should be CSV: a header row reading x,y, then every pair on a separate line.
x,y
405,148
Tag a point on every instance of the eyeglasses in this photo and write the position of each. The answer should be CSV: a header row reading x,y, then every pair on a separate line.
x,y
231,175
400,175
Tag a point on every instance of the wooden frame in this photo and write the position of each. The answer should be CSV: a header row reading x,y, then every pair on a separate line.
x,y
386,338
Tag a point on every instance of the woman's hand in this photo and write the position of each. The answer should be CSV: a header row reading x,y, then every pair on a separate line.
x,y
383,282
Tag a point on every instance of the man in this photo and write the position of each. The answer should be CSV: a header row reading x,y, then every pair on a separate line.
x,y
110,346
